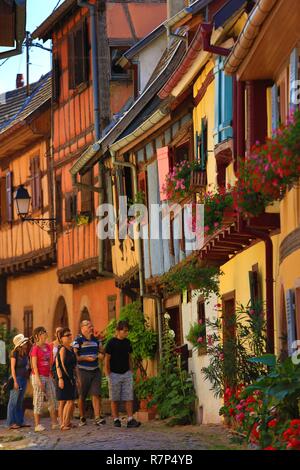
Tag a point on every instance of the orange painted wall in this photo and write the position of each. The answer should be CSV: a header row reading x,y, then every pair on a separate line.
x,y
93,296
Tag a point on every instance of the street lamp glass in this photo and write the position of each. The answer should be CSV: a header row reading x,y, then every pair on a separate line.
x,y
22,201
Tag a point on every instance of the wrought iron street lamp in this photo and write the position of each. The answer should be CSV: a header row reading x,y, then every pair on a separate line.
x,y
22,202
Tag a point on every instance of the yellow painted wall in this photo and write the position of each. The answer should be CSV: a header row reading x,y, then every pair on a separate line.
x,y
149,309
236,277
206,108
23,238
40,291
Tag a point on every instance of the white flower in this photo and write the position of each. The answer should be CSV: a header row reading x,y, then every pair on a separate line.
x,y
172,333
167,316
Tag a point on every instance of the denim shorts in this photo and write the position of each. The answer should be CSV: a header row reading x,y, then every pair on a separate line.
x,y
121,386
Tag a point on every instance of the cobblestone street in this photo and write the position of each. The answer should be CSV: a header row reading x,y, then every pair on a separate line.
x,y
154,435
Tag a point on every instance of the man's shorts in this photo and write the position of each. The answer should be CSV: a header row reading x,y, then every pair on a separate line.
x,y
121,386
89,383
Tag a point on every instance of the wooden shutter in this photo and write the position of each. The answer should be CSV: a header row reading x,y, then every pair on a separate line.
x,y
164,164
58,200
71,61
111,303
291,320
9,196
203,144
87,195
55,80
28,322
294,76
36,189
3,211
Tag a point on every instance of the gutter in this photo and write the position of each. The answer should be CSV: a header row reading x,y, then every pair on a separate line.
x,y
206,32
156,117
248,35
135,190
77,184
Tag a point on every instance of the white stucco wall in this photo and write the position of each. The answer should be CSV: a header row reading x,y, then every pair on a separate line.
x,y
148,59
206,400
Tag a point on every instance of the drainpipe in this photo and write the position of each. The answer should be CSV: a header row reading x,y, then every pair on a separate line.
x,y
135,190
206,31
269,283
100,189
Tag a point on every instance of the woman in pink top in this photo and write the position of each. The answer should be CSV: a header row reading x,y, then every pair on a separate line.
x,y
42,382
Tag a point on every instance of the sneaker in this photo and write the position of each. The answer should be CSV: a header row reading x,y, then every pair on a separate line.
x,y
133,423
55,426
39,428
82,422
117,423
100,421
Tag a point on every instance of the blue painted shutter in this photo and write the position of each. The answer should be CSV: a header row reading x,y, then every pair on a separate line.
x,y
294,76
291,320
217,100
275,107
227,101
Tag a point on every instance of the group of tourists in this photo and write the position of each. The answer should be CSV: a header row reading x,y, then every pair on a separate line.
x,y
67,370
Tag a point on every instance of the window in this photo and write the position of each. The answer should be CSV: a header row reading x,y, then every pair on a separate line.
x,y
70,207
58,200
87,198
115,55
78,56
55,79
28,321
112,309
181,152
36,190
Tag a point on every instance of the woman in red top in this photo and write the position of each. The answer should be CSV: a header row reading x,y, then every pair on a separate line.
x,y
42,382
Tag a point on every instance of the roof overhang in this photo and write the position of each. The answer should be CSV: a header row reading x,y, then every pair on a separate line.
x,y
45,29
262,49
12,26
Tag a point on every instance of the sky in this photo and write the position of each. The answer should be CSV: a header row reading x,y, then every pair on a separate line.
x,y
37,11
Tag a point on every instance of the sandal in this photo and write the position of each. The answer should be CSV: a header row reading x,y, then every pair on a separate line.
x,y
14,426
65,428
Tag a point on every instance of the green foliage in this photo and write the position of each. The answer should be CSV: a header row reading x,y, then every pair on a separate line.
x,y
280,388
215,205
204,279
174,392
229,354
145,388
142,336
197,335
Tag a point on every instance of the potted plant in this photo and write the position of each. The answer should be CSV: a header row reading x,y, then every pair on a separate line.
x,y
197,336
144,390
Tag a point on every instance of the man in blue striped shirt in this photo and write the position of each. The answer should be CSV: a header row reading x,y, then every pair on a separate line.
x,y
89,350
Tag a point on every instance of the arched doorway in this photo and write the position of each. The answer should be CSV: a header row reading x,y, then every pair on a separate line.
x,y
61,314
85,314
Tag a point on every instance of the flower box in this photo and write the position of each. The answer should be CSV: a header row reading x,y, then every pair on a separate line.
x,y
83,219
198,181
